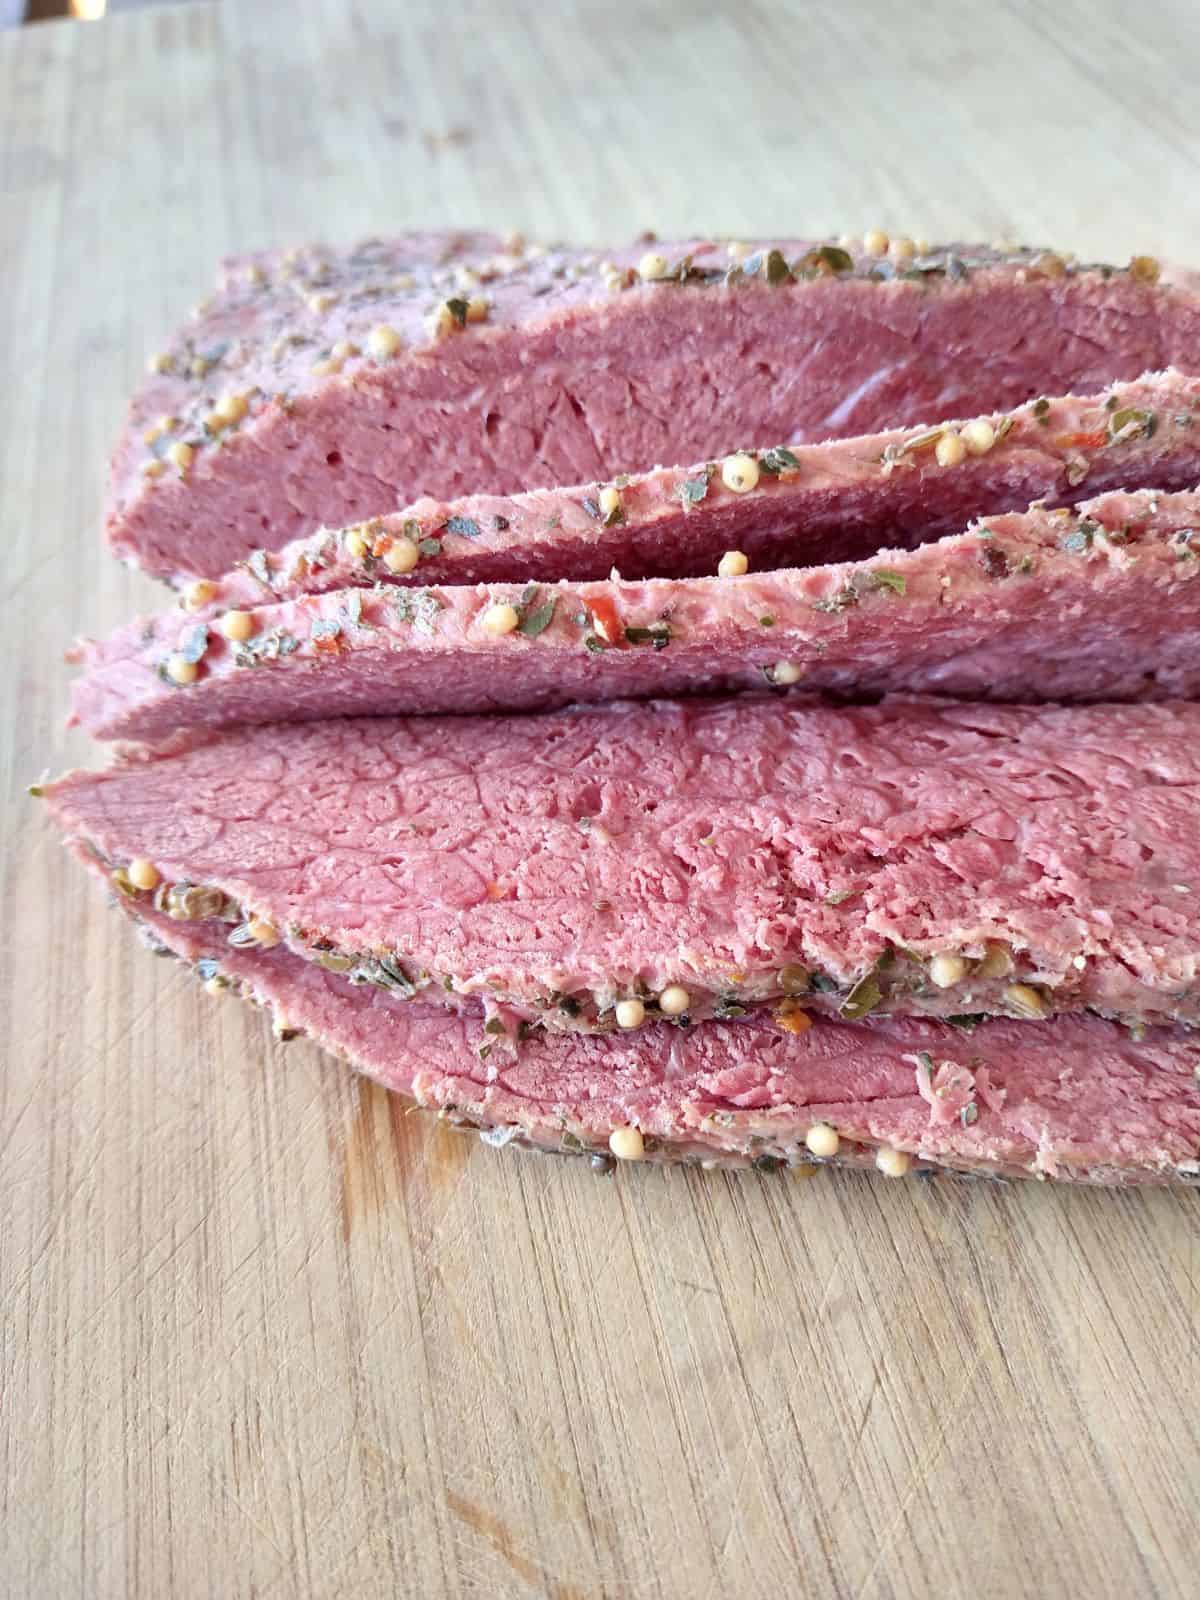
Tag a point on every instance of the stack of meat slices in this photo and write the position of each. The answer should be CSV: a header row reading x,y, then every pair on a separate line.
x,y
833,796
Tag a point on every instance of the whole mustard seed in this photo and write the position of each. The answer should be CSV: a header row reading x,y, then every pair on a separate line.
x,y
947,970
401,555
1026,1001
630,1013
822,1140
143,874
674,1000
950,451
383,341
199,594
979,436
182,671
892,1163
609,501
500,619
739,472
627,1144
652,267
231,408
237,625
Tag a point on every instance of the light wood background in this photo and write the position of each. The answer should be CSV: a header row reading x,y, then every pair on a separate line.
x,y
261,1332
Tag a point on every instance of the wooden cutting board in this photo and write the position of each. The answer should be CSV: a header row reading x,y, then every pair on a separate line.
x,y
265,1332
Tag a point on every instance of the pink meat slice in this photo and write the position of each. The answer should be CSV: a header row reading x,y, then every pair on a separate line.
x,y
750,851
1076,1099
1098,603
838,501
294,415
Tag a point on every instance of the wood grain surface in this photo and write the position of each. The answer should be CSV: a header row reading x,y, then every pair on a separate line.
x,y
263,1332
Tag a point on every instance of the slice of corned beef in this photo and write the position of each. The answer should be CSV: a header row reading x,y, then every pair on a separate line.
x,y
597,867
1076,1099
837,501
322,387
1099,603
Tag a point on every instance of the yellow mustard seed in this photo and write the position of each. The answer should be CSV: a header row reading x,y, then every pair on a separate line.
x,y
947,970
653,266
674,1000
609,501
383,341
182,671
500,619
978,435
1026,1001
143,874
733,564
892,1163
630,1013
627,1144
996,963
237,625
401,555
739,472
822,1140
355,544
199,594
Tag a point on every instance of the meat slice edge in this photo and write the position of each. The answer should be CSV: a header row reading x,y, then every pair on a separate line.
x,y
695,857
1078,1100
278,409
1094,603
794,506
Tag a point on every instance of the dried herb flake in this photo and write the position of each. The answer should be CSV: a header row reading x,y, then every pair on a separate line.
x,y
776,460
466,526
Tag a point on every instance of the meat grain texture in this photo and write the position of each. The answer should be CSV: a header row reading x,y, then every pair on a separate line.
x,y
521,921
739,853
319,387
1096,603
836,501
1077,1101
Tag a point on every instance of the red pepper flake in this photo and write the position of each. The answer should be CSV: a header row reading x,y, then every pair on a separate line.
x,y
606,621
1082,441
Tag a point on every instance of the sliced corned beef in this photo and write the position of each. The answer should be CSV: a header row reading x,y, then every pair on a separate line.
x,y
692,858
837,501
322,387
1076,1099
1099,603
